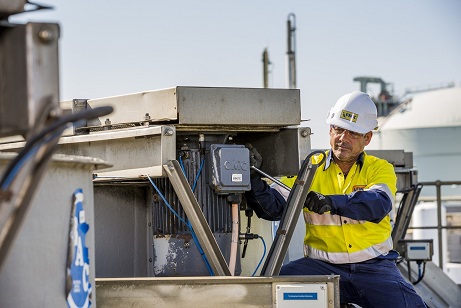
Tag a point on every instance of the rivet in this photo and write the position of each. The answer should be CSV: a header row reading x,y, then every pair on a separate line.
x,y
46,36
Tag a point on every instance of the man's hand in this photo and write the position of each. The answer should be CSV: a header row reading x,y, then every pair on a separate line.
x,y
318,203
256,159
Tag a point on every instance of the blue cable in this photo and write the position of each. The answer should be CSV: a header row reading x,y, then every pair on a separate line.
x,y
419,270
182,166
187,224
166,202
55,129
198,174
202,253
10,177
194,236
18,166
262,258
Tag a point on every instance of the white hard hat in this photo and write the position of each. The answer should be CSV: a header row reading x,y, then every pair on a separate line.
x,y
354,111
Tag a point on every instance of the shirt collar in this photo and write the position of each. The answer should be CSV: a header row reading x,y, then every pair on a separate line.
x,y
329,160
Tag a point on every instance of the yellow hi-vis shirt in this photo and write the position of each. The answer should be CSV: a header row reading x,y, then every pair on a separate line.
x,y
338,239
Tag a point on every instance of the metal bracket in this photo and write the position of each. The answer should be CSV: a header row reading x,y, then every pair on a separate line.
x,y
404,214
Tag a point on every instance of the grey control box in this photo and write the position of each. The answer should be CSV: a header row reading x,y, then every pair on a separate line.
x,y
230,168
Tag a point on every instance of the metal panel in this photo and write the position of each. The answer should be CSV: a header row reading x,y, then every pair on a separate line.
x,y
29,76
238,106
133,152
398,158
37,261
206,107
402,162
225,292
123,235
159,105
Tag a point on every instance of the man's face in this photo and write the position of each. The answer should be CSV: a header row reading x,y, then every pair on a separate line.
x,y
347,145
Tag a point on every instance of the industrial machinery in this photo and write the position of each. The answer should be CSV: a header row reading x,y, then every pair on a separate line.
x,y
167,203
143,201
169,211
170,205
204,130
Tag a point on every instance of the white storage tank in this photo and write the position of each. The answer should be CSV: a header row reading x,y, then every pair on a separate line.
x,y
428,124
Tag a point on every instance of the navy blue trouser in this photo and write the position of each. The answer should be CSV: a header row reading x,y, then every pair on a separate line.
x,y
372,283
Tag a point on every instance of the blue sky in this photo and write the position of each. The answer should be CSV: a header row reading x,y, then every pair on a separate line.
x,y
118,47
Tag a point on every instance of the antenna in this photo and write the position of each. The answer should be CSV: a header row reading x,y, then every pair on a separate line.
x,y
291,51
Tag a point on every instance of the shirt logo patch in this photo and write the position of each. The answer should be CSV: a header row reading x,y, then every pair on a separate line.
x,y
349,116
358,187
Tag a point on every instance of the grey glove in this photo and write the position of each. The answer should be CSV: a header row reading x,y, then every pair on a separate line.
x,y
256,159
318,203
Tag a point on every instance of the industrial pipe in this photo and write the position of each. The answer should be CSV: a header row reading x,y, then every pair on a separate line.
x,y
234,238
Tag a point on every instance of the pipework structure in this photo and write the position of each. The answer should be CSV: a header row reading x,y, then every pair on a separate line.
x,y
291,50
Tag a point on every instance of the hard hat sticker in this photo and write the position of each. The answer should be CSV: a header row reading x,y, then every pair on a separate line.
x,y
78,287
349,116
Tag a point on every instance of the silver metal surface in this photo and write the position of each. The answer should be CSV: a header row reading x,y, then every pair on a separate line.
x,y
289,219
132,152
403,164
198,292
398,158
436,288
204,106
10,7
199,224
36,262
123,235
238,106
25,177
158,106
29,74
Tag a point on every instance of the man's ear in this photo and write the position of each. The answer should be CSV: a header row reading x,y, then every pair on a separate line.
x,y
368,137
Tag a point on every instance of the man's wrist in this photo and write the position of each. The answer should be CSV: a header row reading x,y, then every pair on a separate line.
x,y
336,203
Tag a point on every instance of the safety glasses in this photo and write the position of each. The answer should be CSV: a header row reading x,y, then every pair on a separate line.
x,y
339,131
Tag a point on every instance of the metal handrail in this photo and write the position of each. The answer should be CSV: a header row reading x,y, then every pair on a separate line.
x,y
438,185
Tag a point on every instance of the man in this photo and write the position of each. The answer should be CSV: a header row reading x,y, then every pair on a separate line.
x,y
348,212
